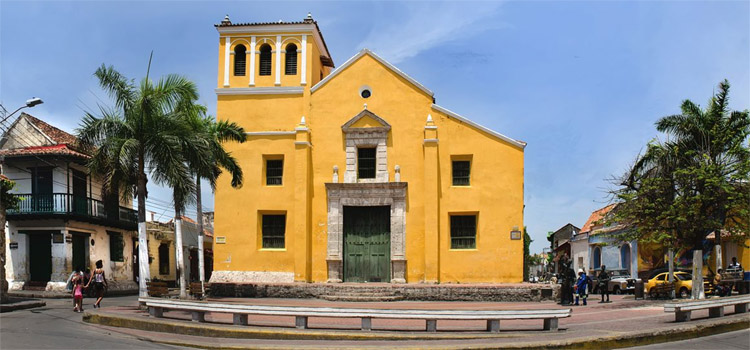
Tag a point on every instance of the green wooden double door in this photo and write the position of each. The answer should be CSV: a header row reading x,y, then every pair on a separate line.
x,y
367,244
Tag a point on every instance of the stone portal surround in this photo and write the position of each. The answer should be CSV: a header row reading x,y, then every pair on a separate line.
x,y
366,137
392,194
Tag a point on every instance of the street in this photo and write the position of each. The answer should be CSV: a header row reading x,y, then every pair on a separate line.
x,y
724,341
56,326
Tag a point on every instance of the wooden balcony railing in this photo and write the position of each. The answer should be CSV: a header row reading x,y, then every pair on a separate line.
x,y
76,207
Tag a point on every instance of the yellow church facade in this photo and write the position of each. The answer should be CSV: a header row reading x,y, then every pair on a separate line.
x,y
354,174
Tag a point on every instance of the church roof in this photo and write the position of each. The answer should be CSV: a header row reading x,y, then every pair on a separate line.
x,y
356,57
450,114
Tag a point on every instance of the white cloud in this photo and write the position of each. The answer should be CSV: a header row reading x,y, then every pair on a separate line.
x,y
424,25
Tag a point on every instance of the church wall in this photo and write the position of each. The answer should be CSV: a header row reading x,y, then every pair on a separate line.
x,y
495,194
406,109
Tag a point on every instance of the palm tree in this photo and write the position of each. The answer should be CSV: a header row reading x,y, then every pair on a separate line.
x,y
209,167
141,133
198,154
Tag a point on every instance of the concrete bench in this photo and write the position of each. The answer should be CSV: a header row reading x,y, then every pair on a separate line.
x,y
715,306
240,313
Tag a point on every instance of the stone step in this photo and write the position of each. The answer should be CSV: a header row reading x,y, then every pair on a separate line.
x,y
363,294
363,289
35,286
362,298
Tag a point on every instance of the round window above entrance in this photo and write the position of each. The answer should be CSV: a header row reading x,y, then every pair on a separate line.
x,y
365,91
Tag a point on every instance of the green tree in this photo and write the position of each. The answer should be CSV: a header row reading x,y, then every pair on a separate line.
x,y
526,260
695,183
7,201
206,158
141,134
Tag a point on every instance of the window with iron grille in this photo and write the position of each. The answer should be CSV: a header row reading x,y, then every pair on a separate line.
x,y
164,259
290,65
116,246
461,172
274,227
463,231
366,163
265,60
239,60
274,171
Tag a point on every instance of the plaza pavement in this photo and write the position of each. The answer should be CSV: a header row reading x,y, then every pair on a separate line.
x,y
622,323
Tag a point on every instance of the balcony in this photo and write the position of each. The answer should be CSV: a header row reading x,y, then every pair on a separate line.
x,y
69,207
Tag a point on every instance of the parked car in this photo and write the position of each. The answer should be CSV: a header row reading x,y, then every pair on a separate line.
x,y
659,284
620,282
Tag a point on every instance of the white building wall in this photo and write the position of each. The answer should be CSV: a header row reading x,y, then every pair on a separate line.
x,y
119,274
579,251
16,265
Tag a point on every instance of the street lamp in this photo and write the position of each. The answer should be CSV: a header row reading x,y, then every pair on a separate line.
x,y
29,103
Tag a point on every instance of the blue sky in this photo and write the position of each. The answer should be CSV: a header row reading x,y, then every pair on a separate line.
x,y
581,82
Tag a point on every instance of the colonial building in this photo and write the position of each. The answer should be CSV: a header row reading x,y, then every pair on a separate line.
x,y
162,245
63,220
560,242
355,174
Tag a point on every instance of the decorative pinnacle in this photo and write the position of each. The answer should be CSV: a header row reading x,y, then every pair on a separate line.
x,y
309,18
226,20
302,121
365,105
429,118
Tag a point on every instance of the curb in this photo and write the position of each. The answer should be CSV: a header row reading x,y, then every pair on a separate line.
x,y
21,305
62,295
664,335
247,332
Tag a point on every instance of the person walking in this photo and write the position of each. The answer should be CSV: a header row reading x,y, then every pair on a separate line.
x,y
581,287
100,283
78,292
603,283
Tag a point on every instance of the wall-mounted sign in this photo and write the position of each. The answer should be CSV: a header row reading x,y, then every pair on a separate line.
x,y
13,245
221,239
57,238
515,234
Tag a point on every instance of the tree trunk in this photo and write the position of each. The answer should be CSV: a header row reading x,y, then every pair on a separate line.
x,y
717,251
180,266
199,209
144,273
3,281
671,270
698,292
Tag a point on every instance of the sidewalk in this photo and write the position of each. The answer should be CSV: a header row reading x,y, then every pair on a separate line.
x,y
60,295
14,304
625,322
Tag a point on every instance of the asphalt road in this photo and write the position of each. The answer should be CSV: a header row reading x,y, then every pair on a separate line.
x,y
56,326
739,340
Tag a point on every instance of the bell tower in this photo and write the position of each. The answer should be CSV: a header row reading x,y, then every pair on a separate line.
x,y
266,56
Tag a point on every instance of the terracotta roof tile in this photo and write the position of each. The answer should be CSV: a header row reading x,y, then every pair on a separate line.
x,y
62,150
54,133
595,217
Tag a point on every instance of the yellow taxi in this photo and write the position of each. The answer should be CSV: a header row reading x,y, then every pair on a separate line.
x,y
683,284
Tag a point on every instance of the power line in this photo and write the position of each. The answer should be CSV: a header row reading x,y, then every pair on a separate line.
x,y
26,141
